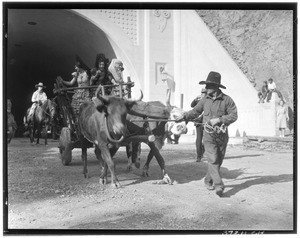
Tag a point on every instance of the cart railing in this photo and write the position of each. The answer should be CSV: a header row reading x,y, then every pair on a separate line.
x,y
60,89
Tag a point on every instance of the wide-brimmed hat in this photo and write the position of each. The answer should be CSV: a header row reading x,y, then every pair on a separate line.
x,y
213,78
40,85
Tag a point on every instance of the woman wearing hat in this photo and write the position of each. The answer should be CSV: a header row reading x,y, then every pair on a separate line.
x,y
81,78
38,97
218,109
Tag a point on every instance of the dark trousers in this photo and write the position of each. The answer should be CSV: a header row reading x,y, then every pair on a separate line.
x,y
215,148
270,94
199,144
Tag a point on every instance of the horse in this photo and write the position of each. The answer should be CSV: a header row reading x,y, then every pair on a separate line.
x,y
43,117
11,123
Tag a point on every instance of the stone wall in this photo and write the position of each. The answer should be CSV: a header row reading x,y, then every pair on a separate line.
x,y
260,42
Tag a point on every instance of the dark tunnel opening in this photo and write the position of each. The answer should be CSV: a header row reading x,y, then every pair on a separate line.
x,y
42,51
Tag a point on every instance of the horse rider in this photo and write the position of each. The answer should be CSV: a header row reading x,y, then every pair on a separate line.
x,y
38,98
219,110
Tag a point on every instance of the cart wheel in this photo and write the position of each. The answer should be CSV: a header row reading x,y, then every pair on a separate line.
x,y
65,148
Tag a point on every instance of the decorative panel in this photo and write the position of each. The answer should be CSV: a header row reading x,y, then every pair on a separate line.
x,y
126,19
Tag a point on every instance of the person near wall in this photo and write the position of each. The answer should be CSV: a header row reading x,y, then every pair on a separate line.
x,y
38,98
80,78
263,93
272,88
219,110
199,127
282,117
101,75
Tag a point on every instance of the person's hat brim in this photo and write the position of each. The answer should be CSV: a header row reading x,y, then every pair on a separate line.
x,y
219,85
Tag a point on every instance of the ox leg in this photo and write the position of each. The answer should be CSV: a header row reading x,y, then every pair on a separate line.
x,y
106,155
84,158
136,154
129,152
160,160
146,166
103,167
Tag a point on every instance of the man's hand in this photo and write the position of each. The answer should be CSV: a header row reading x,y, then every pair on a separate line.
x,y
214,121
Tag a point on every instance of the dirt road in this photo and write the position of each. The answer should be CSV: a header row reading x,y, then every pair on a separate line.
x,y
44,194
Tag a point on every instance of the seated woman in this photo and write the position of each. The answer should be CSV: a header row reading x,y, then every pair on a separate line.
x,y
82,79
100,74
116,69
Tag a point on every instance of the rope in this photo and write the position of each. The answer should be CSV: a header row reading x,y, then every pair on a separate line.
x,y
208,128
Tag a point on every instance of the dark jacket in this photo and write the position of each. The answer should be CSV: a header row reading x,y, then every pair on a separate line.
x,y
223,107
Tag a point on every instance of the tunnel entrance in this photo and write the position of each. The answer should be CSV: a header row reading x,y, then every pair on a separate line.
x,y
42,44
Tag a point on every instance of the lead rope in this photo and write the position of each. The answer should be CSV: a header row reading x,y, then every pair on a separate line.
x,y
213,129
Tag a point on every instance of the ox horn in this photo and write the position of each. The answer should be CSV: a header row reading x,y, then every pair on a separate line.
x,y
140,99
108,135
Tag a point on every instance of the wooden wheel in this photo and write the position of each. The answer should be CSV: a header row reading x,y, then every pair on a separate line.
x,y
65,146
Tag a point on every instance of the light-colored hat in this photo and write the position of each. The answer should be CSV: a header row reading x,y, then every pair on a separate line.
x,y
40,85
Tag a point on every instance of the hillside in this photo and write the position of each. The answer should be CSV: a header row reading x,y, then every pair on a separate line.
x,y
260,42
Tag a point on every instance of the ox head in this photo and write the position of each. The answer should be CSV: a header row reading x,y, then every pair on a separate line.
x,y
176,128
115,110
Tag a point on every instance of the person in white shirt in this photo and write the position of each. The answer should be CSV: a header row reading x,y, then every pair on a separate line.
x,y
38,98
271,89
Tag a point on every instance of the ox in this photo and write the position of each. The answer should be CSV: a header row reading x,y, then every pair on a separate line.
x,y
160,129
103,122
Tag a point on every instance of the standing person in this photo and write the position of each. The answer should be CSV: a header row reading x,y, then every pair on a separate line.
x,y
218,109
116,69
100,74
282,117
199,127
81,78
38,98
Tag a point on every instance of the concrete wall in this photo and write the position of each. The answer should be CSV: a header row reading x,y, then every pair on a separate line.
x,y
198,53
182,41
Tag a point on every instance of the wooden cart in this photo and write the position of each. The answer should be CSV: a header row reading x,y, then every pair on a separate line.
x,y
69,135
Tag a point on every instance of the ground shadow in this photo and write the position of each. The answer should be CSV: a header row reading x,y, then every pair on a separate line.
x,y
242,156
256,180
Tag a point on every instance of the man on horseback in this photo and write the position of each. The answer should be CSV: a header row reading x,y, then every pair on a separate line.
x,y
38,98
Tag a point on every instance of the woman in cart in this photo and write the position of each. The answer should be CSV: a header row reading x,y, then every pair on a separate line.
x,y
100,74
82,79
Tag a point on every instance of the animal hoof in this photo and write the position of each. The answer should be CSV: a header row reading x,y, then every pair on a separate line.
x,y
86,176
129,167
145,174
103,181
167,180
137,164
116,185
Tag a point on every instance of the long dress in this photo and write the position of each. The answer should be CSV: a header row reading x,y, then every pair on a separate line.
x,y
81,95
281,117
